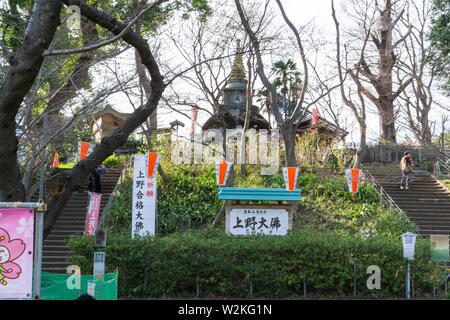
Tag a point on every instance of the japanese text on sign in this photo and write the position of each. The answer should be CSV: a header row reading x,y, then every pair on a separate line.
x,y
246,222
144,199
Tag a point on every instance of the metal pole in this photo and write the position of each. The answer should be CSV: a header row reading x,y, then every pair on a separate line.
x,y
198,288
408,294
445,276
251,284
38,237
354,279
304,283
434,284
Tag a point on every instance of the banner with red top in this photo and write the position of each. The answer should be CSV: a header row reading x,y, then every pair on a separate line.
x,y
194,119
92,213
314,120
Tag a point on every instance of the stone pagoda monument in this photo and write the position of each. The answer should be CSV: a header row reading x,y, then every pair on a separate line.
x,y
231,112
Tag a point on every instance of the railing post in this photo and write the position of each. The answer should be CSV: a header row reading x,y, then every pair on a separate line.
x,y
381,195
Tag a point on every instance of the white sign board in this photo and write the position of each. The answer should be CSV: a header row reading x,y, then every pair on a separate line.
x,y
91,289
99,263
409,243
144,199
255,221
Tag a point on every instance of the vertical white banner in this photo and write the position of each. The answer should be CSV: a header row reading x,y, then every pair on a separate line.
x,y
144,199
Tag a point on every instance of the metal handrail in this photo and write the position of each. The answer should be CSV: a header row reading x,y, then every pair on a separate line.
x,y
442,162
126,168
383,194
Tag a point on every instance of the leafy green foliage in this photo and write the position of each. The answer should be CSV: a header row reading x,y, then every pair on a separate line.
x,y
170,266
188,199
440,41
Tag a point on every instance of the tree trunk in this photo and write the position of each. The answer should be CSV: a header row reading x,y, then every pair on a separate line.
x,y
288,133
24,68
77,79
362,150
387,121
72,180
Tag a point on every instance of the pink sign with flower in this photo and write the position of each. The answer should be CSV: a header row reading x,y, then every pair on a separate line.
x,y
16,253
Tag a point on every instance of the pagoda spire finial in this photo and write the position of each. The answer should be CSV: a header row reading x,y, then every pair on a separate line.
x,y
238,69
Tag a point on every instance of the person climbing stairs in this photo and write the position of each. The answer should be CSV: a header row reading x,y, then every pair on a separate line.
x,y
427,202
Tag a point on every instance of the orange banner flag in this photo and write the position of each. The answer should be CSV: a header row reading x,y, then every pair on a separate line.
x,y
152,163
56,161
84,149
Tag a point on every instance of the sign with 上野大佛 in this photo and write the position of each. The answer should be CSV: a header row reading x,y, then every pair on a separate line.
x,y
409,243
92,213
16,253
144,198
441,249
258,220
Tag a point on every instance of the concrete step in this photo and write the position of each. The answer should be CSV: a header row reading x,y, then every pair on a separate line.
x,y
426,211
435,230
410,194
54,258
427,233
433,210
57,267
72,221
434,188
55,247
421,201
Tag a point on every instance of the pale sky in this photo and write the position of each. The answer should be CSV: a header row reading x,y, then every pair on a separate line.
x,y
300,12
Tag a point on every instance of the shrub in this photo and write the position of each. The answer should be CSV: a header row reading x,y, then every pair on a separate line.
x,y
172,265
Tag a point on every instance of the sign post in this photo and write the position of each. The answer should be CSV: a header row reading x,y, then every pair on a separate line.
x,y
409,242
144,194
99,263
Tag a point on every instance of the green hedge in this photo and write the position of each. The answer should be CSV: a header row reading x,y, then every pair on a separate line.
x,y
173,265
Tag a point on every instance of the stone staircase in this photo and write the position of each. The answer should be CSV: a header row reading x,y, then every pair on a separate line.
x,y
427,202
72,221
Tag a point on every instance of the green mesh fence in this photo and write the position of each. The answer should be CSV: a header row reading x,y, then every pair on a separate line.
x,y
56,286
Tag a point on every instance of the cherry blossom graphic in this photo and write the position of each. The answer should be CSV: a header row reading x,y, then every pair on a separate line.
x,y
26,227
9,251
